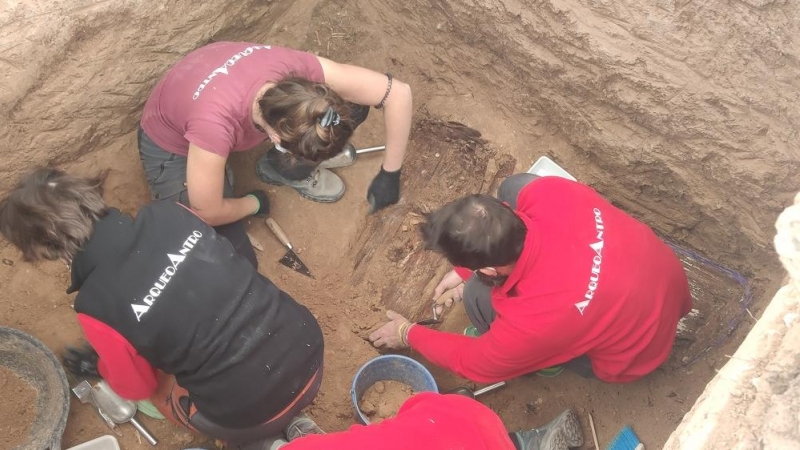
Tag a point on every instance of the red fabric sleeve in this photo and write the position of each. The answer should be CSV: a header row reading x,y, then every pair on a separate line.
x,y
463,272
500,354
127,372
425,421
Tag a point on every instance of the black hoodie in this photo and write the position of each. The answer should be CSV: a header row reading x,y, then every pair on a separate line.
x,y
194,308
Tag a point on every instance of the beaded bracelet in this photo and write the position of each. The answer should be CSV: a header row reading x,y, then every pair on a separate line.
x,y
386,95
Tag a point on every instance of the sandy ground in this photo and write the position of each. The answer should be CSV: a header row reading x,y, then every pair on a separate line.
x,y
34,300
328,238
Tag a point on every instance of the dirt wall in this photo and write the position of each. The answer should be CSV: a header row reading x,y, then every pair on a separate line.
x,y
754,400
687,112
77,72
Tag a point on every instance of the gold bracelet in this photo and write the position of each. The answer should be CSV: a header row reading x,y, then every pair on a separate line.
x,y
402,332
405,336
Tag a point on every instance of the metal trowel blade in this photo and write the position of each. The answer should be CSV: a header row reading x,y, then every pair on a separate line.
x,y
292,261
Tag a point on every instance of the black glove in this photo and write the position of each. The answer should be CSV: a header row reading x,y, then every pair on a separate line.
x,y
263,202
81,361
384,190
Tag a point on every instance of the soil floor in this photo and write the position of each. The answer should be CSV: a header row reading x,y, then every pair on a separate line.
x,y
17,414
34,300
329,237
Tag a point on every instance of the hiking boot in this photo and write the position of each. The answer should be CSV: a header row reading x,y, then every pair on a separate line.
x,y
346,158
321,186
300,426
471,331
270,443
562,433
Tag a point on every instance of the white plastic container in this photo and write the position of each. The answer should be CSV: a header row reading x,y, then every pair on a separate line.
x,y
545,167
106,442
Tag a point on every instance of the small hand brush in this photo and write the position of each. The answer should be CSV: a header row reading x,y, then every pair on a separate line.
x,y
626,440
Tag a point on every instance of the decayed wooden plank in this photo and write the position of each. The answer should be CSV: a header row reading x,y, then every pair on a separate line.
x,y
446,160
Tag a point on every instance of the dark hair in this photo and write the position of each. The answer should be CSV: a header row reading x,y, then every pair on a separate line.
x,y
294,107
51,215
474,232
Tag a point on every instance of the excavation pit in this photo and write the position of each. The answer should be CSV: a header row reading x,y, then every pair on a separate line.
x,y
685,116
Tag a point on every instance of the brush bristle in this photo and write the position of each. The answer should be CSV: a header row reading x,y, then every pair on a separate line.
x,y
624,440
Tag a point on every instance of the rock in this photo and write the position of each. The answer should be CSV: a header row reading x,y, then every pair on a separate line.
x,y
385,410
368,408
380,388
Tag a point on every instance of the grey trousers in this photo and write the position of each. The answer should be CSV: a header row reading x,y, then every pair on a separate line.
x,y
166,175
478,296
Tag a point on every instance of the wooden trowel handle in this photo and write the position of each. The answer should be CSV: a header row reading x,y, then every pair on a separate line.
x,y
279,233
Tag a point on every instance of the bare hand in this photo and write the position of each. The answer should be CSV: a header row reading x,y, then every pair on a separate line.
x,y
388,335
449,281
449,291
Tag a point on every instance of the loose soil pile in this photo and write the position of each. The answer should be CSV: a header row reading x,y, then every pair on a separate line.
x,y
18,409
383,399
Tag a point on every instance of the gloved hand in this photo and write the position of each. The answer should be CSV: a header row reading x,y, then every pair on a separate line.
x,y
384,190
263,202
81,361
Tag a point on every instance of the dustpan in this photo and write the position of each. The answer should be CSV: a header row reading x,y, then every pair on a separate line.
x,y
546,167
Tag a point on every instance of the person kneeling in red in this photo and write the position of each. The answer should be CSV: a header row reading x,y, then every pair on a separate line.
x,y
555,275
437,422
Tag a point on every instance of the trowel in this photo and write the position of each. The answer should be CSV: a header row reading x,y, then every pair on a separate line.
x,y
117,409
84,393
354,154
464,390
290,259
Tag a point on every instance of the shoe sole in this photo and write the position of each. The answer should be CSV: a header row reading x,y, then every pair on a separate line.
x,y
320,200
302,427
554,440
302,194
337,166
570,426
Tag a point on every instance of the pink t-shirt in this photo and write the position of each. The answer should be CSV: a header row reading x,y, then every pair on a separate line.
x,y
206,99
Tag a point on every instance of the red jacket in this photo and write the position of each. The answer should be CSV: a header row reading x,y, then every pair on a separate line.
x,y
123,368
591,281
425,421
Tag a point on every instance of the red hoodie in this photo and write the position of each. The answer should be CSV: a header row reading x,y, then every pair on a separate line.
x,y
425,421
591,281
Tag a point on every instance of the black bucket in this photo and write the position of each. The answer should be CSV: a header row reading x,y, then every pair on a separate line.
x,y
28,358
